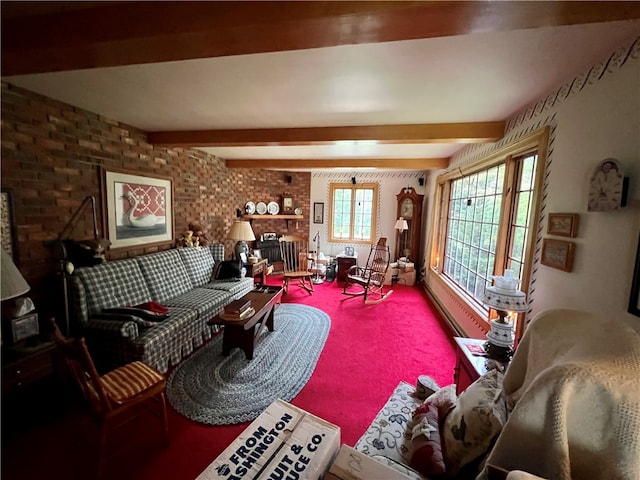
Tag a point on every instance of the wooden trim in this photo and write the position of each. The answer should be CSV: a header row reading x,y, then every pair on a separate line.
x,y
420,133
43,37
374,214
538,140
381,163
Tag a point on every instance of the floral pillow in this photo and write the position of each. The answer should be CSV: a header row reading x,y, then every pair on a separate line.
x,y
476,420
426,451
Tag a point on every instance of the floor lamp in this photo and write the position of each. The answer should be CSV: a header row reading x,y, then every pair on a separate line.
x,y
82,253
317,279
401,225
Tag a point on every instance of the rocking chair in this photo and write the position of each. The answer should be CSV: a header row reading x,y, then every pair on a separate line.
x,y
369,280
295,258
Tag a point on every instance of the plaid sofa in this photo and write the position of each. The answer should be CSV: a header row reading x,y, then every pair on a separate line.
x,y
179,279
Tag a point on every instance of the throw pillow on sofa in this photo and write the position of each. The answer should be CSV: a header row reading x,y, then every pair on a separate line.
x,y
227,270
426,444
476,420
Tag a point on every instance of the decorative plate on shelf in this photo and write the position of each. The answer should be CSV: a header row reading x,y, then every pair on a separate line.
x,y
261,208
273,208
250,208
298,211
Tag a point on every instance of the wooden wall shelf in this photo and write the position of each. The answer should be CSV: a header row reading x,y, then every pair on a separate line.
x,y
267,216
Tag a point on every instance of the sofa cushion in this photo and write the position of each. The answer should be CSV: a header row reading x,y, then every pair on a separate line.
x,y
236,288
217,251
166,275
207,302
112,284
475,421
199,262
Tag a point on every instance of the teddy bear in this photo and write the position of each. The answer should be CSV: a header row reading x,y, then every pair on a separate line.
x,y
199,234
187,239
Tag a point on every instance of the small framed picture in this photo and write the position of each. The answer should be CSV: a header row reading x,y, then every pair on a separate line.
x,y
557,254
349,251
25,327
318,212
563,224
243,257
257,253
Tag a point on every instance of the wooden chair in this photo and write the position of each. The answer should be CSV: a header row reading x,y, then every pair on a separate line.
x,y
369,280
295,258
114,394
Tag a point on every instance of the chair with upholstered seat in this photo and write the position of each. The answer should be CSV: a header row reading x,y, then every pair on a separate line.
x,y
295,257
369,280
115,394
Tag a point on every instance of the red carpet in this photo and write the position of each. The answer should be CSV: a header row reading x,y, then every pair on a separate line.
x,y
369,350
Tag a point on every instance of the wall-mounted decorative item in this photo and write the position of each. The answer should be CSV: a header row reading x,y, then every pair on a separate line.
x,y
137,209
634,299
287,203
558,254
606,187
8,224
318,212
563,224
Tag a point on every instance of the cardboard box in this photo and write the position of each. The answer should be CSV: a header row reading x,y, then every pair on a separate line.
x,y
351,464
407,278
283,441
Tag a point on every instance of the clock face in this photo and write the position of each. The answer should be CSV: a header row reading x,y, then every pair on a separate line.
x,y
605,188
406,209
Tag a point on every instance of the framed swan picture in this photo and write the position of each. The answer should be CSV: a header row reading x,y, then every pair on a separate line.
x,y
137,209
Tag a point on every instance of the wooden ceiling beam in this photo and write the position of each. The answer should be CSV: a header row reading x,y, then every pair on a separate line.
x,y
480,132
381,163
40,37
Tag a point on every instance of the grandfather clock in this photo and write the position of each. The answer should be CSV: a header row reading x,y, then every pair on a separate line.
x,y
408,241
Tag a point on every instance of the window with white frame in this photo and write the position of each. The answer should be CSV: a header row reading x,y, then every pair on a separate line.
x,y
353,211
485,218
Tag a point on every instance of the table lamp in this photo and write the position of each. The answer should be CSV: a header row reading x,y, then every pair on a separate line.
x,y
13,286
503,297
242,232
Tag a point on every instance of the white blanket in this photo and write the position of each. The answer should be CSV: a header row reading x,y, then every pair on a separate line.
x,y
574,384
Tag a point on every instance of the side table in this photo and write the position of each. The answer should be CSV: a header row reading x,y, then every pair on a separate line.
x,y
344,262
469,367
25,363
32,388
258,268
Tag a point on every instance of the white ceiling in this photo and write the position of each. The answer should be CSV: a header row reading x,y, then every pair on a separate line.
x,y
477,77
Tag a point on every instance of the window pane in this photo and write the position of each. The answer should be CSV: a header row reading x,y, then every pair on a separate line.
x,y
353,212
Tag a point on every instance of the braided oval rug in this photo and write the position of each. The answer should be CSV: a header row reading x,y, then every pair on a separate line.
x,y
217,390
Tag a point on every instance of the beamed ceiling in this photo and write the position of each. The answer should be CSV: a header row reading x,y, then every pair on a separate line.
x,y
310,85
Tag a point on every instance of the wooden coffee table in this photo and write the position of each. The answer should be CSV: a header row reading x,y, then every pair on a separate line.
x,y
244,333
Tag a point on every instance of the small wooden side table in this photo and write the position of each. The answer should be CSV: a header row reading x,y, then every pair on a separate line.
x,y
344,262
469,367
258,268
26,363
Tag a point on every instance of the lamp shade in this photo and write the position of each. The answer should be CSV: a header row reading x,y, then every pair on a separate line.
x,y
241,230
13,283
504,295
401,225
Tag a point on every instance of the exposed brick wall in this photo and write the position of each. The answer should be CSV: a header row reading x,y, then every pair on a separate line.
x,y
51,158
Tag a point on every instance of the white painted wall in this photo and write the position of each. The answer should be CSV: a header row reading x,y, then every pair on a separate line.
x,y
592,116
390,183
